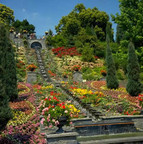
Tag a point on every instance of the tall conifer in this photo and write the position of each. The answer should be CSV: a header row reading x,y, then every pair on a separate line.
x,y
133,86
11,79
111,78
5,111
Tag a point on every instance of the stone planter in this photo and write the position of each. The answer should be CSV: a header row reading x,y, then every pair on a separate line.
x,y
31,77
141,112
54,137
62,121
77,76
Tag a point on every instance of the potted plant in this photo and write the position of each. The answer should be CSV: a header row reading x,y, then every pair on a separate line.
x,y
103,72
55,113
31,67
76,67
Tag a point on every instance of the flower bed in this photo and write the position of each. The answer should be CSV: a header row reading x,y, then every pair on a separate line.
x,y
62,51
24,127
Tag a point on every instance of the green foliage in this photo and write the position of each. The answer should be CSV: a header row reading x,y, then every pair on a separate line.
x,y
11,78
121,61
119,34
49,40
130,21
50,32
23,25
5,111
141,76
88,36
6,15
87,54
111,78
72,26
25,42
80,18
90,74
121,75
133,86
79,8
57,41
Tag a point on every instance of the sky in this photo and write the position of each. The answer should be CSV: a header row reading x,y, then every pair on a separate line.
x,y
45,14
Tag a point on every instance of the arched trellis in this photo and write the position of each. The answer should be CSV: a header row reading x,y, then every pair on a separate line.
x,y
36,45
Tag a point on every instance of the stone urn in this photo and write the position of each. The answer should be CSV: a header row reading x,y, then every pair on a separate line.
x,y
62,121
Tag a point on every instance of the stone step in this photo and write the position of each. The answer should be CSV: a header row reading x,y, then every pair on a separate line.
x,y
127,138
90,128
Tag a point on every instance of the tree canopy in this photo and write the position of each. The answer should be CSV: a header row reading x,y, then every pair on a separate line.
x,y
130,20
6,15
23,25
80,17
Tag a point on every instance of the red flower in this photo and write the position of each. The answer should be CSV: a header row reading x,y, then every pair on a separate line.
x,y
63,107
140,99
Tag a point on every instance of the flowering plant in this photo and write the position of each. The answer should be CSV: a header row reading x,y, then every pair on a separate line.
x,y
11,29
25,31
66,74
62,51
140,98
76,67
52,109
31,67
103,72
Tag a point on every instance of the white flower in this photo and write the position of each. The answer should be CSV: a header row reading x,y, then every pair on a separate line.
x,y
66,111
83,80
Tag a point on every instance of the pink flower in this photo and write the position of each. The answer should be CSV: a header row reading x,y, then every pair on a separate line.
x,y
48,119
50,126
71,123
42,120
49,115
56,122
53,120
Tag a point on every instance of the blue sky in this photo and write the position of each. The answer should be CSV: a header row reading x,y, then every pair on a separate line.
x,y
45,14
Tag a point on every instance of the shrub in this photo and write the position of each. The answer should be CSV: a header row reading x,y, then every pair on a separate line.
x,y
87,54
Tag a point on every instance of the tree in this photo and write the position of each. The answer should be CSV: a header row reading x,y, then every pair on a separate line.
x,y
23,25
6,15
111,78
130,20
80,17
10,75
119,34
79,8
50,32
134,86
5,111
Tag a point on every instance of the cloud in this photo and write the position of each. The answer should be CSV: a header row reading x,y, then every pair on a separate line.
x,y
23,10
35,14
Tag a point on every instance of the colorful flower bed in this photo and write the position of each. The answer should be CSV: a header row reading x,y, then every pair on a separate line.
x,y
62,51
107,104
53,102
24,127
